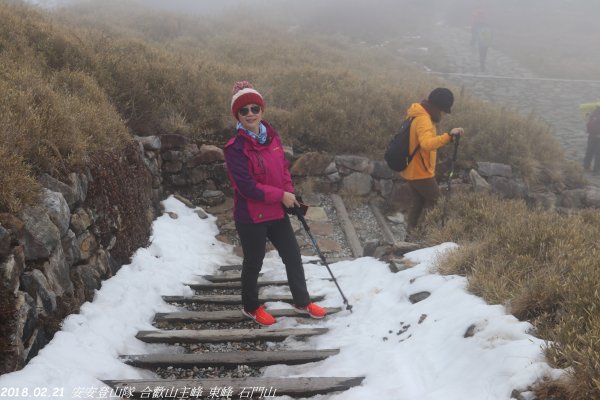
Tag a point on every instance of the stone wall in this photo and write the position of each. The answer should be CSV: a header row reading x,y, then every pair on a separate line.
x,y
56,253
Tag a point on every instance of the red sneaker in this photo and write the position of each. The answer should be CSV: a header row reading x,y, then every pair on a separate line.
x,y
261,316
312,309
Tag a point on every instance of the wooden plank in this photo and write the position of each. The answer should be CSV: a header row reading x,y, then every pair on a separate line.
x,y
227,315
348,228
228,359
224,335
228,277
388,235
234,267
241,387
231,299
233,285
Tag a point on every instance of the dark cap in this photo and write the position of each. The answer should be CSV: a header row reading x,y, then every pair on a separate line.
x,y
441,98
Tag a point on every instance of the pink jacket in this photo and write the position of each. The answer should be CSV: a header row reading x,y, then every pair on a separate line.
x,y
259,175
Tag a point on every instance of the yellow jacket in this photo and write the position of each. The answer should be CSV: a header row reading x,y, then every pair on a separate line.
x,y
423,132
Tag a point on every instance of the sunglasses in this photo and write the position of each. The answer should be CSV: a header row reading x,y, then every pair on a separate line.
x,y
245,110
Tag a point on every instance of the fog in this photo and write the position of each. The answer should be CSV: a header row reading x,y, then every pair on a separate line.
x,y
561,36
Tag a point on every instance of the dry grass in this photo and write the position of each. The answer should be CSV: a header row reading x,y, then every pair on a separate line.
x,y
543,266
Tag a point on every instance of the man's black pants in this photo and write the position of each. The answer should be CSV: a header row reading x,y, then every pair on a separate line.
x,y
254,239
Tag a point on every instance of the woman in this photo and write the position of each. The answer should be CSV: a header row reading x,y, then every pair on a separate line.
x,y
262,187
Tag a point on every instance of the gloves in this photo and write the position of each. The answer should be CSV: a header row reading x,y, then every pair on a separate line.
x,y
298,211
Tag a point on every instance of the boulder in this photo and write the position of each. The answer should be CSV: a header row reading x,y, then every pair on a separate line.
x,y
173,142
209,154
41,234
11,270
382,171
487,169
81,220
358,183
56,272
311,164
478,183
35,283
57,209
351,163
149,142
508,188
72,194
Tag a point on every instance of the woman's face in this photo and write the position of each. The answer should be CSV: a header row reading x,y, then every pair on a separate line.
x,y
250,116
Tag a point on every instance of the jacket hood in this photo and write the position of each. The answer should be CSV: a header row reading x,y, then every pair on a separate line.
x,y
416,110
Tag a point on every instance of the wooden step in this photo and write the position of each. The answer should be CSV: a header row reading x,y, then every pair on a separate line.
x,y
229,359
242,387
233,285
228,277
231,299
227,315
225,335
234,267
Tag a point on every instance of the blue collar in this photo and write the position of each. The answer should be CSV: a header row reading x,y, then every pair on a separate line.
x,y
262,135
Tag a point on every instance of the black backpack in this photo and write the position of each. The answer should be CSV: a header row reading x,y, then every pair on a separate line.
x,y
397,154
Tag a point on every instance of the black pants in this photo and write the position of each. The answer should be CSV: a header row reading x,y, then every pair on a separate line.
x,y
254,240
592,153
425,194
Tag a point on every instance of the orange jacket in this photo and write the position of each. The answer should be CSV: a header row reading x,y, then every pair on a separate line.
x,y
423,132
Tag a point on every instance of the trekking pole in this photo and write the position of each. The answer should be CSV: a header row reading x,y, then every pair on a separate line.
x,y
450,176
298,213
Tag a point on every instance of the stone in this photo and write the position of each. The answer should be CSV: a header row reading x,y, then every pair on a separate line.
x,y
488,169
79,183
288,153
70,194
200,213
172,214
11,270
470,332
417,297
149,142
172,155
508,188
57,209
173,141
87,245
385,187
354,163
331,169
574,198
296,225
316,214
14,225
335,177
370,247
81,220
176,180
56,272
592,197
382,251
545,200
209,154
224,239
382,171
41,234
329,246
5,242
321,228
86,280
69,246
26,316
397,218
478,183
35,283
311,164
225,207
357,183
172,167
101,263
213,197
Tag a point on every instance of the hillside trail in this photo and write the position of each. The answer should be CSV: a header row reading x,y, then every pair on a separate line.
x,y
508,83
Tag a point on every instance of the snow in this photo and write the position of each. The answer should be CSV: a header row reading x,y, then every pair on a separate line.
x,y
404,350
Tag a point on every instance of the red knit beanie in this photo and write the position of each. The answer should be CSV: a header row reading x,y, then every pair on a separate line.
x,y
244,94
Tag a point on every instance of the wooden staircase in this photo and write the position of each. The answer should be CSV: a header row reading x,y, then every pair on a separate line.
x,y
247,387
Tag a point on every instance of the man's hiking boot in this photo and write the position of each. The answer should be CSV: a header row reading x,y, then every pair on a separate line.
x,y
311,309
261,316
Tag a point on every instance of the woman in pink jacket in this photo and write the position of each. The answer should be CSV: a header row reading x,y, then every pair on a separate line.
x,y
262,186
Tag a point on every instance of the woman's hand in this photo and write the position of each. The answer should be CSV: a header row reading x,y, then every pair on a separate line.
x,y
457,132
289,200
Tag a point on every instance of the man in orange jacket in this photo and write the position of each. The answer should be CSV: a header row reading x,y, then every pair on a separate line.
x,y
420,172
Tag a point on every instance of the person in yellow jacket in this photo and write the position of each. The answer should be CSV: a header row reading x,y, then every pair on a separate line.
x,y
420,172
